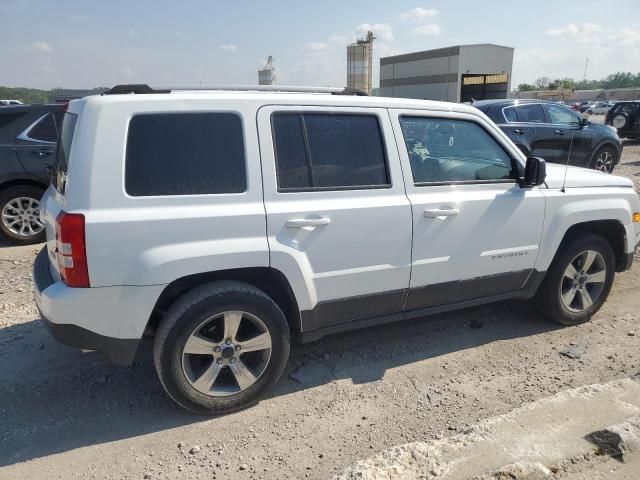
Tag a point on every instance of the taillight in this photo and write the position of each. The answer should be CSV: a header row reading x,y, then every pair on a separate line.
x,y
71,251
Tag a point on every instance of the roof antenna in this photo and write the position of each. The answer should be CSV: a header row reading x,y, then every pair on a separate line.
x,y
566,167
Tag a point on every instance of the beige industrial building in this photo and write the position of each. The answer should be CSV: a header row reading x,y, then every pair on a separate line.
x,y
267,76
360,63
454,74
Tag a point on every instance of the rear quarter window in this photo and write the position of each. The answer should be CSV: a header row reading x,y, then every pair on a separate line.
x,y
190,153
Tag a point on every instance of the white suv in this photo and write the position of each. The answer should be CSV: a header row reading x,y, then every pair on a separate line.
x,y
227,223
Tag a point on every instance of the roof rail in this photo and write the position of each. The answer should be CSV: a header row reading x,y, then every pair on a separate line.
x,y
146,89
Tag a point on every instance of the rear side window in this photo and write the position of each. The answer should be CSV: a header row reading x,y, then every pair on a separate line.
x,y
7,118
63,149
322,151
185,154
530,113
44,130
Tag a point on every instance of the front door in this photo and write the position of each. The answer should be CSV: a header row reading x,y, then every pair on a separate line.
x,y
476,232
338,218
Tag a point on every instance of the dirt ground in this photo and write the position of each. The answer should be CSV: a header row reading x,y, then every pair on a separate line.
x,y
68,414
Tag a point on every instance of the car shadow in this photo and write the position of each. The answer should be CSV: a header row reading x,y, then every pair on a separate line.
x,y
55,398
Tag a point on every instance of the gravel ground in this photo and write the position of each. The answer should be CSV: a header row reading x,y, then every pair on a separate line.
x,y
68,414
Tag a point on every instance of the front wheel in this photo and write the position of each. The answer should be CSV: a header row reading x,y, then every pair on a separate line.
x,y
604,160
579,280
220,347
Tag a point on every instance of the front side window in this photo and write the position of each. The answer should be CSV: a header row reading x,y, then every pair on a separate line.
x,y
328,151
561,116
450,151
185,154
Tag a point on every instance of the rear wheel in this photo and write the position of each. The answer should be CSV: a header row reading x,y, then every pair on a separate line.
x,y
579,280
20,215
220,347
604,160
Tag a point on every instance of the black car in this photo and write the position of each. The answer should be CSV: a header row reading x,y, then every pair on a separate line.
x,y
625,117
553,132
28,135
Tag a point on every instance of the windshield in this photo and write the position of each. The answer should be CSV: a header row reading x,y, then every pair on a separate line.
x,y
63,149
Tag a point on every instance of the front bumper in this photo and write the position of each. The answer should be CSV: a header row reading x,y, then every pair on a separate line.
x,y
108,319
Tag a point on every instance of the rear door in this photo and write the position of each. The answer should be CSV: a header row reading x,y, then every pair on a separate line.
x,y
476,232
529,124
36,145
338,218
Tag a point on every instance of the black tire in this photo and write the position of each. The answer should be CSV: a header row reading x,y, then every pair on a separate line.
x,y
184,317
548,298
607,163
12,193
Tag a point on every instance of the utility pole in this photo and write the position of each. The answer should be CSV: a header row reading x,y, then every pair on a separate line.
x,y
586,64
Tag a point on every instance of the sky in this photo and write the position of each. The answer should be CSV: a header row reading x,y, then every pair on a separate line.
x,y
86,44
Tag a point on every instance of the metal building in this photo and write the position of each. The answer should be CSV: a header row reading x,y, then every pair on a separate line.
x,y
454,74
360,63
267,76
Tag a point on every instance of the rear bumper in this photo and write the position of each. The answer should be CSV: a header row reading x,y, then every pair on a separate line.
x,y
108,319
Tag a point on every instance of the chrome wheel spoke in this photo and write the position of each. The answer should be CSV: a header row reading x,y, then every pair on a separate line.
x,y
590,256
570,272
569,296
597,277
259,342
205,381
585,297
198,345
231,323
243,375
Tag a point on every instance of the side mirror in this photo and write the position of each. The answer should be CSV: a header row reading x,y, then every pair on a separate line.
x,y
535,171
584,122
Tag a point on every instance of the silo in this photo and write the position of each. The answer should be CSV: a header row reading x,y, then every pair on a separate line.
x,y
267,76
359,63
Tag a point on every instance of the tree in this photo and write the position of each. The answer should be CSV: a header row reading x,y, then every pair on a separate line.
x,y
542,83
526,87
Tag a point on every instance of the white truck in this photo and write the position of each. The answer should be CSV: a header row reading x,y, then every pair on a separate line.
x,y
226,224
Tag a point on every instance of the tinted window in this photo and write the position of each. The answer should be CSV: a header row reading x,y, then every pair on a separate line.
x,y
530,113
316,150
63,149
291,152
7,118
442,150
560,115
510,114
185,154
44,130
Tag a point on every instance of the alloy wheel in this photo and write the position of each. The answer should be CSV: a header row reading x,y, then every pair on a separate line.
x,y
583,281
604,161
21,216
227,353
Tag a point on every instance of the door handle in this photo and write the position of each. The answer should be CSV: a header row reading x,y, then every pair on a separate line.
x,y
42,153
307,222
435,213
519,131
559,132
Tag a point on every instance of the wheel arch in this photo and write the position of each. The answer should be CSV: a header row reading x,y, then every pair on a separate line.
x,y
606,143
270,280
612,231
22,181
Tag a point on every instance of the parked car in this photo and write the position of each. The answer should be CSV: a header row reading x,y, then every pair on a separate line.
x,y
6,103
553,132
28,136
229,223
599,108
625,118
